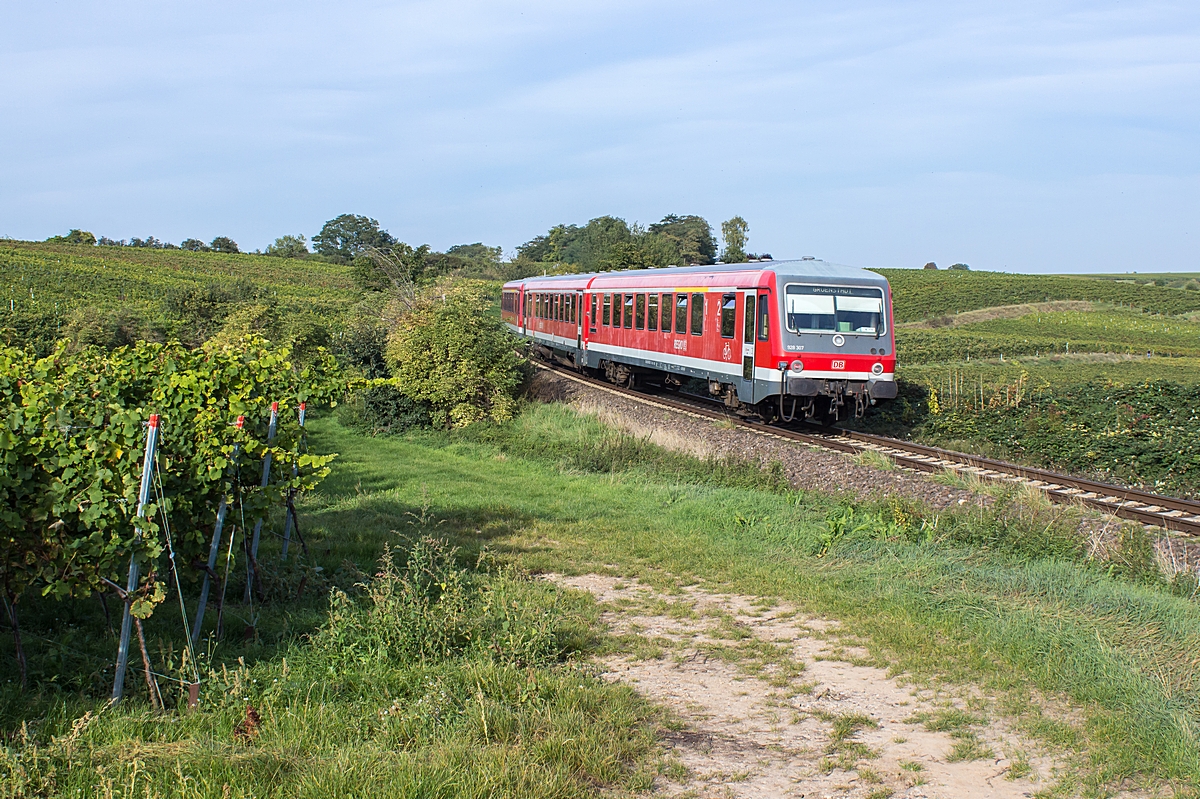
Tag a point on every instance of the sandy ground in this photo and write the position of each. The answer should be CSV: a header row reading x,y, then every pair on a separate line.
x,y
770,703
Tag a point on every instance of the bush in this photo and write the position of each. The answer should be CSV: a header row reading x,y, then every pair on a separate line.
x,y
449,353
383,409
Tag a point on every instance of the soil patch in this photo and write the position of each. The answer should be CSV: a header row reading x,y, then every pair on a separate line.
x,y
769,703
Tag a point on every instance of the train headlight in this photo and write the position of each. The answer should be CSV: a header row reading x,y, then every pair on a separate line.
x,y
797,366
877,369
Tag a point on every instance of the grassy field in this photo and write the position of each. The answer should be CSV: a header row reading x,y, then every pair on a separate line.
x,y
502,703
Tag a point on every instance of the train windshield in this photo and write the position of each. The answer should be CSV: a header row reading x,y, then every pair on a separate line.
x,y
834,309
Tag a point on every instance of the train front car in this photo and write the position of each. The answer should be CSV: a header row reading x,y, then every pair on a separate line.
x,y
778,339
833,347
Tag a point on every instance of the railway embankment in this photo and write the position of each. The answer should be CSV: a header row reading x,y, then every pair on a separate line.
x,y
805,468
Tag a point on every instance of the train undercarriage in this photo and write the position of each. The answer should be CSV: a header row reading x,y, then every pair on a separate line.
x,y
819,400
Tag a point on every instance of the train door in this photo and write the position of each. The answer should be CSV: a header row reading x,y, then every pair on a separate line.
x,y
522,296
579,314
763,358
745,386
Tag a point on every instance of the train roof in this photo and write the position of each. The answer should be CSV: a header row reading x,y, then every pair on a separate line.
x,y
800,267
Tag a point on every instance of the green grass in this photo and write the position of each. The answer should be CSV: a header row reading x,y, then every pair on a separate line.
x,y
1115,648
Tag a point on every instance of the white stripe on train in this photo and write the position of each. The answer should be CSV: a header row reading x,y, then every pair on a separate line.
x,y
687,361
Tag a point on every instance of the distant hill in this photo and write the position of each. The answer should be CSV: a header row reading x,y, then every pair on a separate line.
x,y
924,294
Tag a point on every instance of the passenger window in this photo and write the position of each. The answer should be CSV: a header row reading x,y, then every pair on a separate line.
x,y
728,315
681,313
668,308
628,310
652,313
697,314
607,312
558,308
639,313
764,317
593,304
748,331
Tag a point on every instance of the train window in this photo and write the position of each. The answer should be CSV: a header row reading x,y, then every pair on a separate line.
x,y
748,330
559,307
606,319
652,312
728,315
680,313
697,314
574,309
764,317
628,310
668,305
639,313
841,309
593,304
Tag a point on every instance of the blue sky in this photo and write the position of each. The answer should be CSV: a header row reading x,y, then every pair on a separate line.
x,y
1035,137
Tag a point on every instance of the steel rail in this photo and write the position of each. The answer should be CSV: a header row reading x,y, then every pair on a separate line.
x,y
1172,513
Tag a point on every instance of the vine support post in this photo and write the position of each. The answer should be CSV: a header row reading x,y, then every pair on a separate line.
x,y
131,583
214,549
291,508
266,479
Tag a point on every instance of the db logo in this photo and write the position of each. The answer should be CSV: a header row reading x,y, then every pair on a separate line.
x,y
727,353
838,365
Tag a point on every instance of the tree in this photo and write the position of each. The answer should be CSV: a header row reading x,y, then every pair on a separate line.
x,y
289,247
224,244
476,252
75,236
349,235
399,268
962,267
734,232
447,353
931,265
195,245
692,236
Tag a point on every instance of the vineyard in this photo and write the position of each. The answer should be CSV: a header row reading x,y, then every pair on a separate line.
x,y
51,290
919,294
74,443
1055,333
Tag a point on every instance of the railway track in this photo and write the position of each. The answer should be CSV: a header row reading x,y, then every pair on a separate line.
x,y
1155,510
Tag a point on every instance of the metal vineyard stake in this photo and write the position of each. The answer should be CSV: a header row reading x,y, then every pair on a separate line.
x,y
131,583
266,479
214,549
287,525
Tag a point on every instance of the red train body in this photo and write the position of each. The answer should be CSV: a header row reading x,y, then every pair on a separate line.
x,y
776,338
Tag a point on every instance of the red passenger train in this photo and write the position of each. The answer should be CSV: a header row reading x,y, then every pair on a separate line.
x,y
779,339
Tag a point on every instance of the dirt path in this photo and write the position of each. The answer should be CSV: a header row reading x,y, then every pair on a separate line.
x,y
769,703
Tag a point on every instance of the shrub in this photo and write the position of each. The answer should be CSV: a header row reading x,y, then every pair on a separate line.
x,y
448,352
383,409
